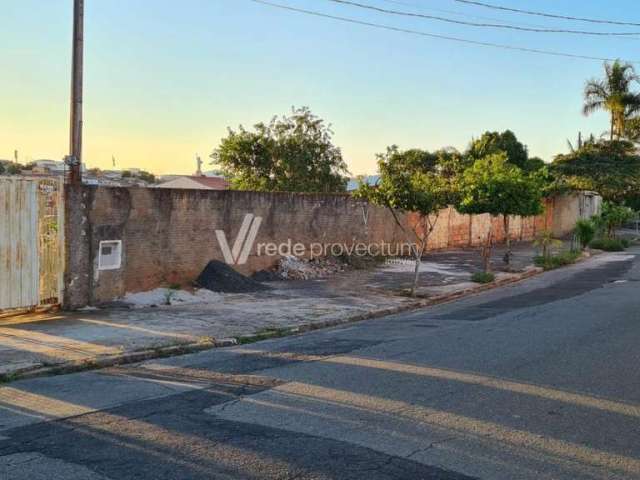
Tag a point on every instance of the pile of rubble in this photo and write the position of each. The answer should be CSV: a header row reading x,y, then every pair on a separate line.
x,y
294,268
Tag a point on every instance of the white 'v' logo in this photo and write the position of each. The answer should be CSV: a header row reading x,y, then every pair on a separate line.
x,y
239,254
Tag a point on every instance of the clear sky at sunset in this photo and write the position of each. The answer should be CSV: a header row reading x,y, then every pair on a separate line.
x,y
164,78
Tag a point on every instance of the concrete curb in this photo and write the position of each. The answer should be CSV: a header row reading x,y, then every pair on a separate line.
x,y
207,343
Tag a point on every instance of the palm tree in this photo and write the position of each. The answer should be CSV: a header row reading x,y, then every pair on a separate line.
x,y
613,94
580,142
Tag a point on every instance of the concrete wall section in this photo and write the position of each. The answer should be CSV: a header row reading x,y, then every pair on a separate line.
x,y
168,235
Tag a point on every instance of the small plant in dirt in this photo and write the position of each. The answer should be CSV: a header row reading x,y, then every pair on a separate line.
x,y
610,244
545,241
169,295
483,277
585,232
556,261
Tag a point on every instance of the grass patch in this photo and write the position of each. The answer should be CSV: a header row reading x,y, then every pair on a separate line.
x,y
483,277
610,244
264,334
556,261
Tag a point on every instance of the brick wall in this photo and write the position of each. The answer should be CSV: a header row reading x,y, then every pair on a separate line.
x,y
169,235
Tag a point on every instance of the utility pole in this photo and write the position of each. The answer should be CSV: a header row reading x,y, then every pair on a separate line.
x,y
75,139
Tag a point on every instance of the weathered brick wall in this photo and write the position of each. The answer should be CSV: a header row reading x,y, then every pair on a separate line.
x,y
168,235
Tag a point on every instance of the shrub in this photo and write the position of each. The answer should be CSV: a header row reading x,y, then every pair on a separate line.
x,y
483,277
585,232
613,216
546,242
556,261
609,244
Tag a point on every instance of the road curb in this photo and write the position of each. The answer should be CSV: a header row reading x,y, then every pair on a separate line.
x,y
208,343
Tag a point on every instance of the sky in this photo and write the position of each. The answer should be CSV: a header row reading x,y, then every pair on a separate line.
x,y
164,79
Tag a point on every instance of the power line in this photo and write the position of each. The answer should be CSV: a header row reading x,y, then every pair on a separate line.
x,y
434,35
548,15
457,13
475,24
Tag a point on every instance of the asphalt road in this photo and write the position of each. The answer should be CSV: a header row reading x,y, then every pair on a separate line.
x,y
539,380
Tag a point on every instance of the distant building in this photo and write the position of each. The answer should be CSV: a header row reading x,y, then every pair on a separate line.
x,y
369,179
194,182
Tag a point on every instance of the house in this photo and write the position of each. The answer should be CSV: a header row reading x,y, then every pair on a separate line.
x,y
195,182
368,179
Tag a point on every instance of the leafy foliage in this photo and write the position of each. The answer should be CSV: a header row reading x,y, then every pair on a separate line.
x,y
613,94
495,142
142,175
483,277
585,232
546,241
415,181
608,244
632,129
611,217
495,186
10,168
556,261
611,168
291,153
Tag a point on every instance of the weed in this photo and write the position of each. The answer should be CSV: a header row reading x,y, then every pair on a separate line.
x,y
585,232
483,277
610,244
556,261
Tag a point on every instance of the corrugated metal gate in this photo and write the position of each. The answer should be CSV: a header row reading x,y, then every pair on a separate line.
x,y
31,242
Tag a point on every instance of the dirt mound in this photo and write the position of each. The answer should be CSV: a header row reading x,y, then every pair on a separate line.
x,y
220,277
294,268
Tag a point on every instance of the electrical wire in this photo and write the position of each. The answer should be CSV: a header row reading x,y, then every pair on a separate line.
x,y
548,15
434,35
475,24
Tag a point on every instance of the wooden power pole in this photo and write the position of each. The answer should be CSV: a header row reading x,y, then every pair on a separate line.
x,y
75,138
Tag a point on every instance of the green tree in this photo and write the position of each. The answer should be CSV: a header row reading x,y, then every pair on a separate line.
x,y
495,186
495,142
632,129
613,94
291,153
419,182
611,168
10,168
612,217
147,176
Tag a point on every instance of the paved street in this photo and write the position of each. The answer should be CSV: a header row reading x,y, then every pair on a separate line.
x,y
538,380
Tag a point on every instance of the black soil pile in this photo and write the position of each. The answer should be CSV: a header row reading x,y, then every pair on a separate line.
x,y
220,277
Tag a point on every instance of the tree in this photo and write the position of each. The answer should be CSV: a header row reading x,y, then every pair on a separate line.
x,y
291,153
612,217
495,142
632,129
613,94
10,168
580,142
611,168
419,182
495,186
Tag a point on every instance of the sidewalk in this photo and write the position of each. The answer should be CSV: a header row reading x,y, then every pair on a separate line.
x,y
32,345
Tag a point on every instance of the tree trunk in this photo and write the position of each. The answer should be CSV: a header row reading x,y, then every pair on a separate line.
x,y
612,126
486,251
416,273
507,239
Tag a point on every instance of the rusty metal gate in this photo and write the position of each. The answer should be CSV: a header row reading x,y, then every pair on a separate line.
x,y
31,242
